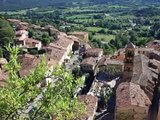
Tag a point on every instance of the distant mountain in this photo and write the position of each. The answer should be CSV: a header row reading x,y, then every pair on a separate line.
x,y
126,1
18,4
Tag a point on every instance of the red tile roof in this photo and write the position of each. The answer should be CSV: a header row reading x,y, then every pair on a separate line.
x,y
55,53
28,63
89,61
131,94
91,106
30,42
120,57
63,41
106,60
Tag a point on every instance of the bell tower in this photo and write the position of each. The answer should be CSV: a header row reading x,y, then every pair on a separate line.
x,y
128,62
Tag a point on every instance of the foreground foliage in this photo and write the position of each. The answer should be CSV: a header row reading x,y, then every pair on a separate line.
x,y
58,98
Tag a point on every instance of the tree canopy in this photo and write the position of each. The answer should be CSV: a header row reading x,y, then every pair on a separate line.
x,y
57,99
6,33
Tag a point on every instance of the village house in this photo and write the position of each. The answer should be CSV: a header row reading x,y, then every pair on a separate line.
x,y
119,57
142,75
55,55
14,22
18,25
136,70
29,43
89,65
28,63
76,44
64,42
21,35
110,67
93,52
131,102
145,51
81,35
155,55
154,44
91,106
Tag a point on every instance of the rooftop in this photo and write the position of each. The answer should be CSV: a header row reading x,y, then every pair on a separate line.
x,y
30,42
94,50
28,63
91,105
106,61
55,53
131,94
89,61
20,32
141,71
63,41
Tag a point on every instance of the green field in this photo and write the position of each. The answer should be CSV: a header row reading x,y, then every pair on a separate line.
x,y
95,29
104,37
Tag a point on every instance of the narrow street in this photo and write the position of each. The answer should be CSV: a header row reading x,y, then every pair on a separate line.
x,y
88,84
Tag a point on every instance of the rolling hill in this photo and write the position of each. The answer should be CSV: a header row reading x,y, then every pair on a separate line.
x,y
19,4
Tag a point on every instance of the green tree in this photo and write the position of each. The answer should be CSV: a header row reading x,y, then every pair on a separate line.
x,y
58,99
46,38
6,33
31,33
1,52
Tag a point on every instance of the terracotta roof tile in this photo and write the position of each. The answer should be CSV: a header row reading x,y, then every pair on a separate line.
x,y
89,61
28,63
131,94
63,41
55,53
141,71
91,105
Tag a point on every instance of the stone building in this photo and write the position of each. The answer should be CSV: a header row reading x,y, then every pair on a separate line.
x,y
29,43
112,68
142,75
93,52
128,61
28,63
91,106
88,65
81,35
131,102
154,44
136,70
